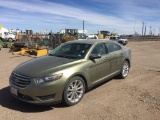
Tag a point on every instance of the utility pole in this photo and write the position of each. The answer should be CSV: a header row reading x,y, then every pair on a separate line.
x,y
134,30
135,27
142,27
150,33
153,32
83,26
145,29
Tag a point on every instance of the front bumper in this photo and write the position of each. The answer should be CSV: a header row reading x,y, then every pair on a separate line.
x,y
125,42
46,93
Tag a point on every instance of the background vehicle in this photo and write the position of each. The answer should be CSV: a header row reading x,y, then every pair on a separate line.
x,y
69,71
90,36
29,44
8,35
4,44
3,33
67,34
51,40
119,40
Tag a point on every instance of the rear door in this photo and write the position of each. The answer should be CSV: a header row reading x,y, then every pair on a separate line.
x,y
116,54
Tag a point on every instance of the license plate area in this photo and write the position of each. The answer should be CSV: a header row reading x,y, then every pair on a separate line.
x,y
14,91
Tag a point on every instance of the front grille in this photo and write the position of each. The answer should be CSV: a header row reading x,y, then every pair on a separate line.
x,y
20,80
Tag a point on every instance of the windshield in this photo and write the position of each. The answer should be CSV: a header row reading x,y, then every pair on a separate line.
x,y
71,50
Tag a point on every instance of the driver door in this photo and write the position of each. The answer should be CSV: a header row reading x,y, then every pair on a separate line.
x,y
99,68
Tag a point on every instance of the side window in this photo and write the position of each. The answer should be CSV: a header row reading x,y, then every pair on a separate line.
x,y
116,47
99,49
112,47
66,49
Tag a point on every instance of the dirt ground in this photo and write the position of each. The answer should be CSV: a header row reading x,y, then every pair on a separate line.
x,y
135,98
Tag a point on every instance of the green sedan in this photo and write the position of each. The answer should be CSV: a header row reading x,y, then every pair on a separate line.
x,y
68,71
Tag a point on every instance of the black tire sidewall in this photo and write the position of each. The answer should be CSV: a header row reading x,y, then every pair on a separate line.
x,y
120,42
10,39
65,99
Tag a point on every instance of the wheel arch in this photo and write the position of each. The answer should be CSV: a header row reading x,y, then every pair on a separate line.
x,y
85,81
128,62
10,39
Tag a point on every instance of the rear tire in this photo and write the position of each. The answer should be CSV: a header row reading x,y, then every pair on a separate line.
x,y
124,70
74,91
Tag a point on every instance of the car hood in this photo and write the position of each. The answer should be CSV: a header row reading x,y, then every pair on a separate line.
x,y
43,66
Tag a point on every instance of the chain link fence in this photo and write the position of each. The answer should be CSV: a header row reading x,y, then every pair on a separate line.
x,y
143,38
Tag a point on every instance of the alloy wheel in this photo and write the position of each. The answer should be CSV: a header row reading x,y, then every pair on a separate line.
x,y
75,91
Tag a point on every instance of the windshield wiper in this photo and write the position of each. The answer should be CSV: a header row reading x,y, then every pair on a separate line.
x,y
50,54
72,57
56,55
64,56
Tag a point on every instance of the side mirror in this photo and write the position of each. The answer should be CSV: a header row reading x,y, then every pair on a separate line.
x,y
94,56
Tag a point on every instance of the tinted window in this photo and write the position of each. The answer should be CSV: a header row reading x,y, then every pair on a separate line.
x,y
74,50
99,49
114,38
112,47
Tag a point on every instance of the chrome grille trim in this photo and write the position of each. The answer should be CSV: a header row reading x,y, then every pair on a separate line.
x,y
20,80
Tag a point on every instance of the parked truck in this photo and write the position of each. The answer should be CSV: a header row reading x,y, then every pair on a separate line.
x,y
3,33
7,35
119,40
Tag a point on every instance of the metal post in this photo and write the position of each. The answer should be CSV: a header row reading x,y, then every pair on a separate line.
x,y
83,27
145,30
142,27
150,33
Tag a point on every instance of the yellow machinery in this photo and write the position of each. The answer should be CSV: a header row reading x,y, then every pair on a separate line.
x,y
37,52
28,35
69,35
58,38
28,43
31,44
104,34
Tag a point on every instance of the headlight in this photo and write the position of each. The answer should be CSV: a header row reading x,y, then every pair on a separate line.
x,y
47,79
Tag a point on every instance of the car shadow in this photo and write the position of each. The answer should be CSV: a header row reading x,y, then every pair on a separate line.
x,y
8,101
31,56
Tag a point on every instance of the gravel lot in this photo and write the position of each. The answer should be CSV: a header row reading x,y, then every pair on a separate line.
x,y
135,98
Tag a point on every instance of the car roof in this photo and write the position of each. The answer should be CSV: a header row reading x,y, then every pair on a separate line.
x,y
90,41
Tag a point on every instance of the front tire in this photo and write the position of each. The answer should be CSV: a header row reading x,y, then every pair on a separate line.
x,y
120,42
124,70
74,91
10,39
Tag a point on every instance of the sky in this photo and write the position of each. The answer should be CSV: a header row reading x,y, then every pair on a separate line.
x,y
120,16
